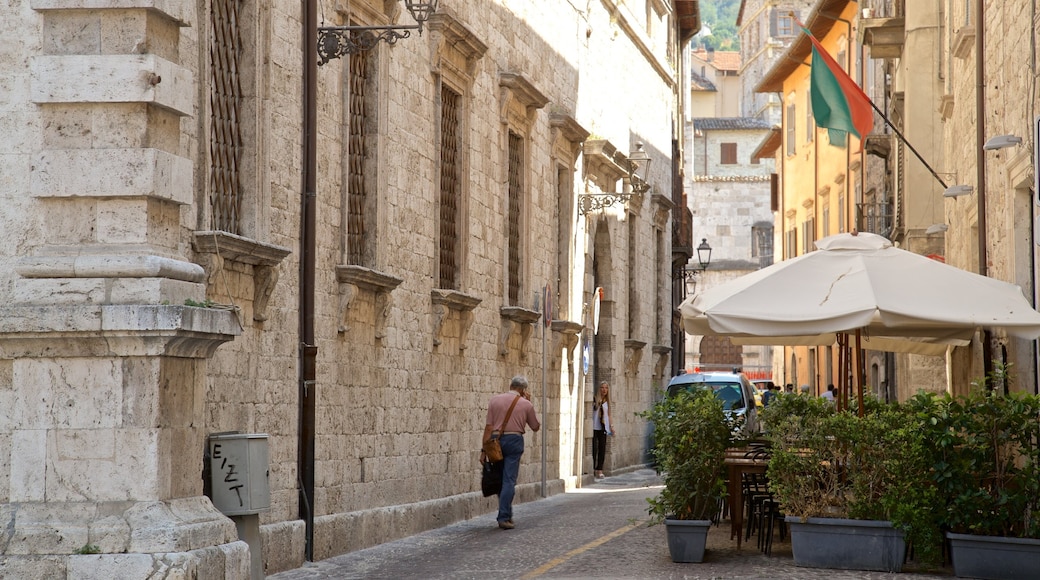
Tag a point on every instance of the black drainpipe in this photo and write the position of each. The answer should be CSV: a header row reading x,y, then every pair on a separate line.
x,y
308,351
980,167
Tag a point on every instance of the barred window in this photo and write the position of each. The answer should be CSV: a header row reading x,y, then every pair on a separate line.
x,y
516,186
762,241
358,201
451,194
226,102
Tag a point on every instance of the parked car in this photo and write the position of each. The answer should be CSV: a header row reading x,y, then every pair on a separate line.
x,y
735,390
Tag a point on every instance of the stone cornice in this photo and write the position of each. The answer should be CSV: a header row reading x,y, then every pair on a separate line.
x,y
90,330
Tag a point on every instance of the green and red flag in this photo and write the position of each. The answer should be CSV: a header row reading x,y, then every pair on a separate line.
x,y
838,103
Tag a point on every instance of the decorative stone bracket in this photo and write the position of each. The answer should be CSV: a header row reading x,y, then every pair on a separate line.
x,y
216,247
661,352
352,279
520,99
569,332
511,317
445,300
662,210
633,355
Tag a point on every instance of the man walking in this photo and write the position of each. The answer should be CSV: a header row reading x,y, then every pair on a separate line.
x,y
508,416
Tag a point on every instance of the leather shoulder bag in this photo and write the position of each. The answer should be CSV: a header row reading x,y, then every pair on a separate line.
x,y
492,448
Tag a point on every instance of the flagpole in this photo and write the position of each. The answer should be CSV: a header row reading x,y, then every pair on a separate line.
x,y
823,53
907,143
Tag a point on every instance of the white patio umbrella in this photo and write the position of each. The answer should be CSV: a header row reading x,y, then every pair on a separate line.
x,y
860,283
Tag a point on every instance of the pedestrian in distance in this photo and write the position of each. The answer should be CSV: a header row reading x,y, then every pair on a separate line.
x,y
829,394
770,395
508,417
601,427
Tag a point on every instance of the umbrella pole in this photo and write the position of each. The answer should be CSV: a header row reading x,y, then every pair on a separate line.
x,y
840,395
859,372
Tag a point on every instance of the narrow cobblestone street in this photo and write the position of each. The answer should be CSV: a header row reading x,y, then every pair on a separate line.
x,y
599,531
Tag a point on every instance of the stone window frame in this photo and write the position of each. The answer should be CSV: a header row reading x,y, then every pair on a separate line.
x,y
456,53
568,136
520,101
247,246
663,210
368,276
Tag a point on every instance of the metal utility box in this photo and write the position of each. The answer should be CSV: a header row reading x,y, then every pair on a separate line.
x,y
238,473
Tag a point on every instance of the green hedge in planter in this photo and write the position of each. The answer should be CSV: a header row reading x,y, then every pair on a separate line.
x,y
692,433
834,464
986,461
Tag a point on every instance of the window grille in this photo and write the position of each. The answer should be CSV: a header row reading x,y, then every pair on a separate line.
x,y
761,242
225,104
357,192
450,189
516,164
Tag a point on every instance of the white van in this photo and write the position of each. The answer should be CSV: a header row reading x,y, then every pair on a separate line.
x,y
735,390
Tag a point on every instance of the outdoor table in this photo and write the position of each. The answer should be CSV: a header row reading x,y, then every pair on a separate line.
x,y
737,465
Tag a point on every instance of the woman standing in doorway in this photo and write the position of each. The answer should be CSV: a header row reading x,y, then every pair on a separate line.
x,y
601,427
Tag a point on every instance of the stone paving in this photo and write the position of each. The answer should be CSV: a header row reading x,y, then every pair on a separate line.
x,y
598,531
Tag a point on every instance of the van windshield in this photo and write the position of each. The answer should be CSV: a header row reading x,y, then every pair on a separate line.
x,y
728,392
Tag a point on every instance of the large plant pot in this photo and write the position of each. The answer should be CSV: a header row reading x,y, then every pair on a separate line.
x,y
846,544
994,557
686,539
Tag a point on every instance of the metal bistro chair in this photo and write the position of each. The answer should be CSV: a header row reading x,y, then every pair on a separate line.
x,y
755,488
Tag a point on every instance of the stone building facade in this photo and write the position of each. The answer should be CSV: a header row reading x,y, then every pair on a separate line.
x,y
729,196
204,232
764,36
1002,204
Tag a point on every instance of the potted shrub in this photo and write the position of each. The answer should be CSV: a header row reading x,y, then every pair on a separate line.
x,y
987,468
692,433
853,489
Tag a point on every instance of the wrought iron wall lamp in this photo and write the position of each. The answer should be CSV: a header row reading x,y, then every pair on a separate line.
x,y
689,274
703,259
337,41
638,174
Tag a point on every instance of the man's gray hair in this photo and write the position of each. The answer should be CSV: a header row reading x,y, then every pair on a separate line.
x,y
518,382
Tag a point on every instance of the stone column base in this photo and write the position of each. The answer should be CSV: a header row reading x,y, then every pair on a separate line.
x,y
181,538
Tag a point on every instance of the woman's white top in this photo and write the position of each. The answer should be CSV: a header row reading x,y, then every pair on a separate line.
x,y
601,418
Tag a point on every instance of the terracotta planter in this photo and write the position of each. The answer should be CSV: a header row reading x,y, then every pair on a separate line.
x,y
846,544
994,557
686,539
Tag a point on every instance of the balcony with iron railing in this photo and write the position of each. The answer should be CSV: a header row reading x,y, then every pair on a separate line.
x,y
682,233
875,217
